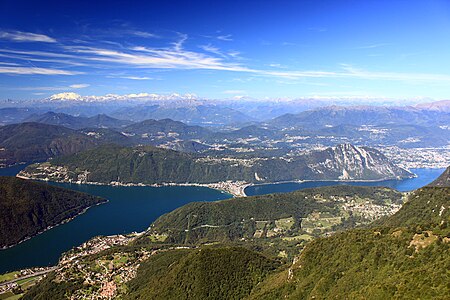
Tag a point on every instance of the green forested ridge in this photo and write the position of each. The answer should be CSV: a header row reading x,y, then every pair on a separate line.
x,y
27,207
151,165
238,218
428,207
443,180
206,273
148,165
364,264
406,258
31,142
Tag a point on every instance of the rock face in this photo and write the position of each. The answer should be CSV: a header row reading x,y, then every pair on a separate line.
x,y
356,163
443,180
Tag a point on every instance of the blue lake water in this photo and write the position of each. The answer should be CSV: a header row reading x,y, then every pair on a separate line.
x,y
135,208
129,209
424,177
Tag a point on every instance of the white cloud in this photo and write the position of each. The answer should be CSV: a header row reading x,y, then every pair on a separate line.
x,y
137,78
351,72
35,71
142,57
20,36
79,86
234,54
142,34
318,29
178,45
225,37
127,97
210,48
53,88
179,58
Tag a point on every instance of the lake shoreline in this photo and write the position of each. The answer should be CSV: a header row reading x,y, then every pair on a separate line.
x,y
394,183
234,188
84,210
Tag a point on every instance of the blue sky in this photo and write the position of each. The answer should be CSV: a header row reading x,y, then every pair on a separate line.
x,y
225,49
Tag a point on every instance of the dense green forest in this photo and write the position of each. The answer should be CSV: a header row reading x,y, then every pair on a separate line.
x,y
208,273
406,258
238,218
27,207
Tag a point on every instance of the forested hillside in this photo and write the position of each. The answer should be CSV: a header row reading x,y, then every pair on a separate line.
x,y
27,208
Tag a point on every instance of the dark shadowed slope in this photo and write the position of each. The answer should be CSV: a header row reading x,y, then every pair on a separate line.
x,y
27,208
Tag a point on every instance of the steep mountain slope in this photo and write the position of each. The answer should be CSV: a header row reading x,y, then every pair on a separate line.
x,y
352,162
443,180
27,208
73,122
408,257
152,165
210,273
146,164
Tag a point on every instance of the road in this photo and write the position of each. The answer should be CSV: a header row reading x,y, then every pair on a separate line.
x,y
29,276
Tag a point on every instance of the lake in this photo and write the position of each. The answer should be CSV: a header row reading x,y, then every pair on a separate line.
x,y
135,208
129,209
424,177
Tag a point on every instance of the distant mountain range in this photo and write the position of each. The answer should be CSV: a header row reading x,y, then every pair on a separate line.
x,y
206,115
443,105
405,127
61,119
192,109
362,115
